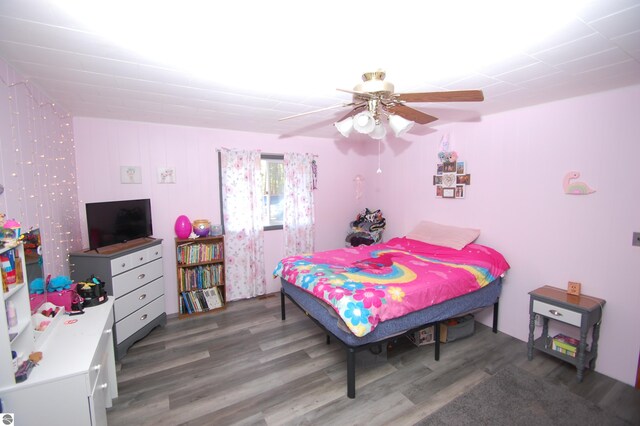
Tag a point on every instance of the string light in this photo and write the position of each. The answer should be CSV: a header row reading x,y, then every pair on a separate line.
x,y
44,158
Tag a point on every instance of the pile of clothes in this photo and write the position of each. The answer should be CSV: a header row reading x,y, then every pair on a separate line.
x,y
366,229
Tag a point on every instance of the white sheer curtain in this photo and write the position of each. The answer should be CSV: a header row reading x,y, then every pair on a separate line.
x,y
243,223
298,220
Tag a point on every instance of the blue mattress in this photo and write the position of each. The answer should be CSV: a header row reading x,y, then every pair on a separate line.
x,y
326,316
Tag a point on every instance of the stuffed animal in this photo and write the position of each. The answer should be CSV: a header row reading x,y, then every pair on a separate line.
x,y
36,286
59,283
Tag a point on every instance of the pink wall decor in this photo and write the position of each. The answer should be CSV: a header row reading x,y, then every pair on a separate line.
x,y
574,187
359,184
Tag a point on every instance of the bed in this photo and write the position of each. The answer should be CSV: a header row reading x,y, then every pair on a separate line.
x,y
365,296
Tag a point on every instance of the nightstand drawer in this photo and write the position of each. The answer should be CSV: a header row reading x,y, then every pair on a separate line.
x,y
558,313
138,298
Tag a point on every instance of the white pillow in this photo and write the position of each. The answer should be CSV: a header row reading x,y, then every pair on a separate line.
x,y
443,235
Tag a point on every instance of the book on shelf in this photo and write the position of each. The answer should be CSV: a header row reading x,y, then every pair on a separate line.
x,y
565,344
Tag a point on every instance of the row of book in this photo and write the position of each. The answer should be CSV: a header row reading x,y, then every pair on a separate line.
x,y
200,300
197,253
199,277
565,345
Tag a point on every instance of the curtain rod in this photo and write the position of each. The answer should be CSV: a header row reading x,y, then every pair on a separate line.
x,y
265,153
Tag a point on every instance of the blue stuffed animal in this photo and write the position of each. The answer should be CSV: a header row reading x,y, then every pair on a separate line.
x,y
59,283
36,286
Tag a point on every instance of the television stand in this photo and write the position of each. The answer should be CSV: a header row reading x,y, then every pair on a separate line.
x,y
115,248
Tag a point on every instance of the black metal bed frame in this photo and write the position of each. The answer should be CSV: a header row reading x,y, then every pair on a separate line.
x,y
351,350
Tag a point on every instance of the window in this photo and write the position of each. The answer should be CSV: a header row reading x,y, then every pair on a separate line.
x,y
273,189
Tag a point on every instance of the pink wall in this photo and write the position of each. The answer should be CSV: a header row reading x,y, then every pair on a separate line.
x,y
37,168
517,161
102,146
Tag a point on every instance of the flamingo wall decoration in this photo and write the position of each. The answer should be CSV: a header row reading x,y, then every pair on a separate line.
x,y
575,187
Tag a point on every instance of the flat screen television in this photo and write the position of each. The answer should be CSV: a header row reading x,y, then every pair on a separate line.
x,y
115,222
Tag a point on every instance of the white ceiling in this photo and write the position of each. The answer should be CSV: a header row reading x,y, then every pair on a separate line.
x,y
256,62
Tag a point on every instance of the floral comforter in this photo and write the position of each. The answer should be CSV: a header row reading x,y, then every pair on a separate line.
x,y
369,284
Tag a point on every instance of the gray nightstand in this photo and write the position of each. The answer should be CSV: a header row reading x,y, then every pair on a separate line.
x,y
581,311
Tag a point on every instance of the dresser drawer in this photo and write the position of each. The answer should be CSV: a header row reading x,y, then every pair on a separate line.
x,y
154,252
131,280
139,319
98,362
120,264
558,313
135,300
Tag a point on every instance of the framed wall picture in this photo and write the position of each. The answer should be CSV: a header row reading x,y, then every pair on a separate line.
x,y
166,175
449,167
448,193
459,191
438,190
449,180
460,167
130,174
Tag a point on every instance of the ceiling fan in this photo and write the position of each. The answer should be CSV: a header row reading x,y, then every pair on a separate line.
x,y
374,99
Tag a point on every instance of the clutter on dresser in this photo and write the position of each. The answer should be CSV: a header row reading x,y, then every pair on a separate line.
x,y
92,291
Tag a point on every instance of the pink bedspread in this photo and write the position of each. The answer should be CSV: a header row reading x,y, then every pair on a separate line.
x,y
369,284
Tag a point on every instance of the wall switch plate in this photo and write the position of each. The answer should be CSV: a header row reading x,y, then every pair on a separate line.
x,y
636,239
573,288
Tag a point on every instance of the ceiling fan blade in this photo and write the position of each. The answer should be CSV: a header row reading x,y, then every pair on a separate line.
x,y
453,96
318,110
410,113
353,111
363,95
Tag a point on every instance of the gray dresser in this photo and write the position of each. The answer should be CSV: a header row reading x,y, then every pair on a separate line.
x,y
133,276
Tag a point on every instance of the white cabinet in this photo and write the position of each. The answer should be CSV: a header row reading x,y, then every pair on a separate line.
x,y
75,381
133,277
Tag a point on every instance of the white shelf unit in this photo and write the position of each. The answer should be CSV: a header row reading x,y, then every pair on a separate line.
x,y
21,337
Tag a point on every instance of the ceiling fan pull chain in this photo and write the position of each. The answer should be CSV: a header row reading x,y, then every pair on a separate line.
x,y
379,145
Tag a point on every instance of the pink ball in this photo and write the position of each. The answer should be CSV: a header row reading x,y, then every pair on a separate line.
x,y
183,227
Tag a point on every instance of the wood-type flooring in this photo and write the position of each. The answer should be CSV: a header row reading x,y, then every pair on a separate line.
x,y
245,366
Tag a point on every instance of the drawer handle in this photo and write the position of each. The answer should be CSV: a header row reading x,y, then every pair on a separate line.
x,y
144,317
104,385
97,367
141,276
107,331
142,296
123,265
555,313
141,258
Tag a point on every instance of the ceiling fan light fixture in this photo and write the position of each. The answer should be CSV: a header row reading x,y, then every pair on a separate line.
x,y
399,125
345,126
378,131
364,122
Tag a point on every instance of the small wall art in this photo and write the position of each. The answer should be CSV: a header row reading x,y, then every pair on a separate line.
x,y
166,175
574,187
130,174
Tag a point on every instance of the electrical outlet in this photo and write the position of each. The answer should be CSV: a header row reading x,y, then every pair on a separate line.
x,y
636,239
538,320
